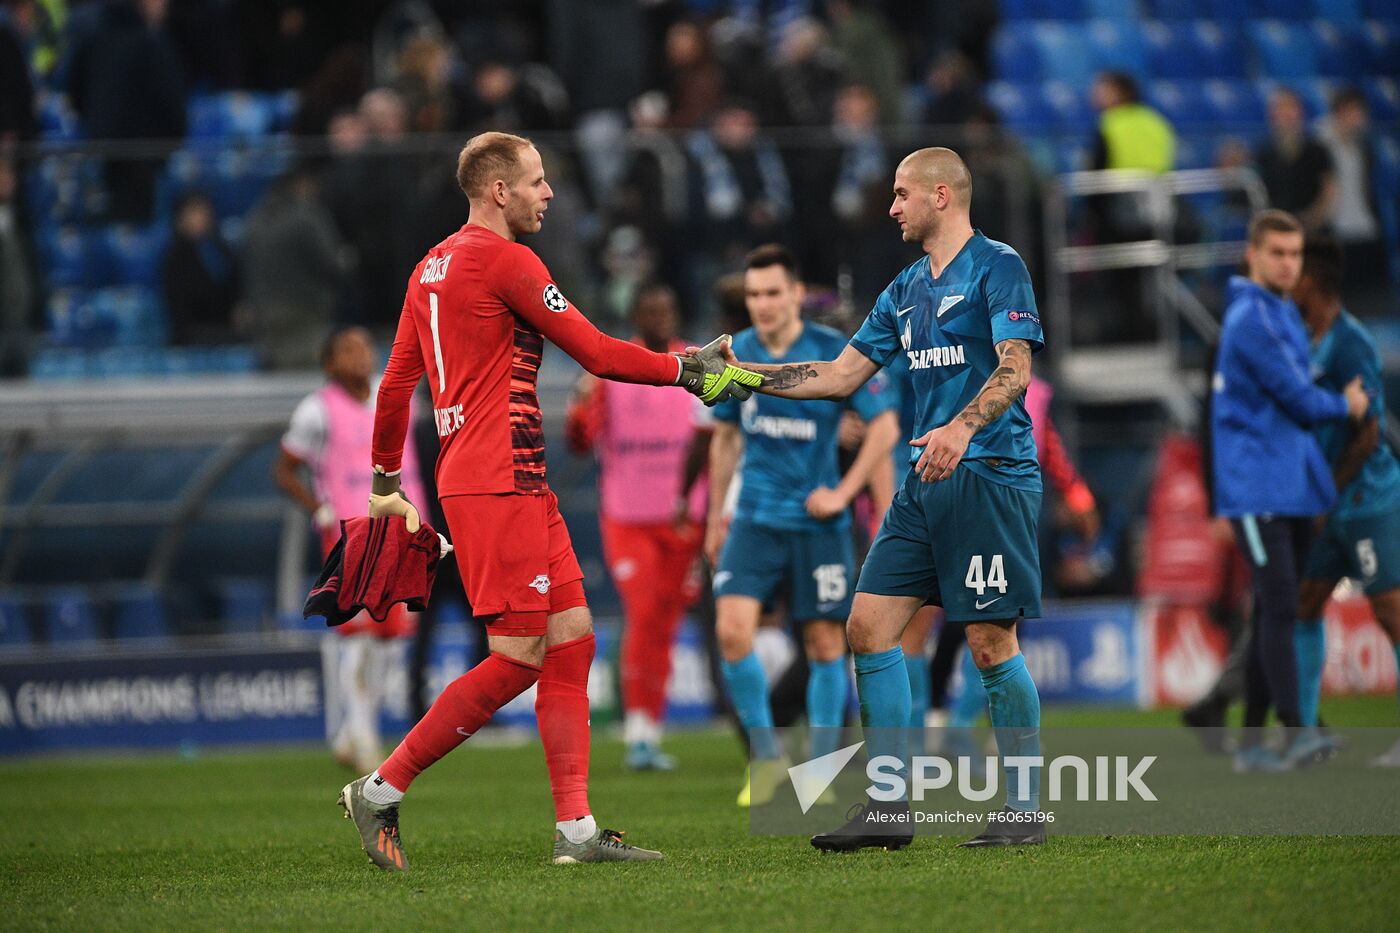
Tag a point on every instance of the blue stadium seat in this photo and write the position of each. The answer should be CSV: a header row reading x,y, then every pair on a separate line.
x,y
232,115
139,612
1228,10
1379,42
71,257
1014,56
1179,9
125,363
1317,93
1237,105
1068,106
1384,97
1061,50
138,320
1283,49
1042,9
1183,103
1219,50
69,618
1195,151
58,363
1021,106
135,253
1280,9
244,602
1112,9
57,121
1341,12
14,627
1116,45
1335,50
1170,54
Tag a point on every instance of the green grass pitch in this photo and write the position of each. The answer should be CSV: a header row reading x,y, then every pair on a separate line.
x,y
239,840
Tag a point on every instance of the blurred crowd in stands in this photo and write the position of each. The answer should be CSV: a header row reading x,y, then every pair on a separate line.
x,y
677,134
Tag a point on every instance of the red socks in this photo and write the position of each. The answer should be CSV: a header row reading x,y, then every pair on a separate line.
x,y
561,706
646,653
464,707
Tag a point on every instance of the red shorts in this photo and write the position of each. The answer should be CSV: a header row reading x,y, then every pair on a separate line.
x,y
398,622
516,560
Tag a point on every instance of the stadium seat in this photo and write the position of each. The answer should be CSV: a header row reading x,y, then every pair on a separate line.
x,y
69,618
1280,9
1379,42
244,602
1061,50
1237,105
1116,45
1219,50
232,115
1283,49
1068,106
1335,50
1178,9
14,626
135,253
1042,9
1383,94
1021,106
1183,103
58,363
1014,56
1229,10
1113,9
1341,12
71,257
139,612
57,121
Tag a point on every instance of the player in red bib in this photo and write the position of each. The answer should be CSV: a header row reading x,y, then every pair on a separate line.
x,y
477,311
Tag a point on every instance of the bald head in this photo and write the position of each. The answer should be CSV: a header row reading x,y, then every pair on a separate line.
x,y
929,168
932,195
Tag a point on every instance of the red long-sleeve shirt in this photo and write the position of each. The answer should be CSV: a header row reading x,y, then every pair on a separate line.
x,y
475,317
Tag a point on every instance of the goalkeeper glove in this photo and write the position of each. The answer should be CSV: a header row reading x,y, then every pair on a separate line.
x,y
385,498
706,375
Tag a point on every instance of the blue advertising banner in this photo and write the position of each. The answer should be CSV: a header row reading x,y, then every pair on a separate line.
x,y
1085,653
165,699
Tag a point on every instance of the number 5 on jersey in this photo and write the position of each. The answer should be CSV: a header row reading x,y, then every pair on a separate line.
x,y
995,578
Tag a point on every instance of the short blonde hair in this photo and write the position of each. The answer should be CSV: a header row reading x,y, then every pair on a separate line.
x,y
1272,220
487,157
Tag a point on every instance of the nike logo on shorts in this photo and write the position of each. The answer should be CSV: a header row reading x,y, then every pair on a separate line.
x,y
981,605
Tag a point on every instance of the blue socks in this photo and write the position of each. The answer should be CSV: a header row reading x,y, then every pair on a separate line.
x,y
1015,708
972,701
1310,649
1397,667
883,685
748,690
826,704
917,666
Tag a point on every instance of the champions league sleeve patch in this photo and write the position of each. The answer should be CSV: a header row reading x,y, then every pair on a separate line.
x,y
555,301
1020,316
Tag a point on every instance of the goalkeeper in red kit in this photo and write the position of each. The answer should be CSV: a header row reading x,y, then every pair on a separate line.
x,y
475,317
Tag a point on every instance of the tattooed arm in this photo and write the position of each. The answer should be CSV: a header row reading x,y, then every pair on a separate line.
x,y
834,380
944,447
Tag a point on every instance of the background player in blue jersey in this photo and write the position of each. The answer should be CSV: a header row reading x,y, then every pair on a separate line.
x,y
792,524
1361,537
962,529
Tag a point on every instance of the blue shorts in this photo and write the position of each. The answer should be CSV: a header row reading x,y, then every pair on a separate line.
x,y
817,566
966,543
1366,548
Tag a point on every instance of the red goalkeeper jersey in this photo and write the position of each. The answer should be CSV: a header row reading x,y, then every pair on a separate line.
x,y
475,317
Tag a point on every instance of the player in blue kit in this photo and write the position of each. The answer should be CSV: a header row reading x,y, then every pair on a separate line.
x,y
791,526
961,532
1361,537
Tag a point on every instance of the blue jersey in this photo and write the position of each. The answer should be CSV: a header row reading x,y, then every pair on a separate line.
x,y
947,330
1344,352
789,444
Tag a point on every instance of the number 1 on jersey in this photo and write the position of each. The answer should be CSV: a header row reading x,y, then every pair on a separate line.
x,y
437,341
